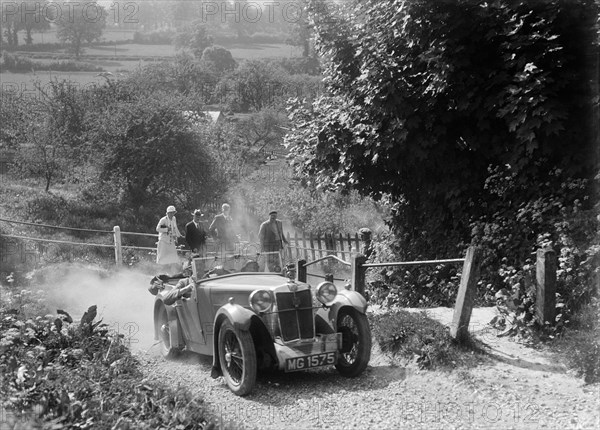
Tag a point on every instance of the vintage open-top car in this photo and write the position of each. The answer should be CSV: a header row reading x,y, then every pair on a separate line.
x,y
249,321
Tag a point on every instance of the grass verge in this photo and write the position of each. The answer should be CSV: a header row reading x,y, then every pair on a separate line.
x,y
579,345
415,337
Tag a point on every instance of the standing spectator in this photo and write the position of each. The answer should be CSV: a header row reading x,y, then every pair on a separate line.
x,y
168,234
221,229
270,235
195,234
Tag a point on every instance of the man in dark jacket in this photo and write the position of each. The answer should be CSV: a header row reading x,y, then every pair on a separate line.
x,y
221,229
272,239
195,235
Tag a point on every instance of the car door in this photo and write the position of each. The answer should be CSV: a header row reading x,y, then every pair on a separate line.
x,y
191,323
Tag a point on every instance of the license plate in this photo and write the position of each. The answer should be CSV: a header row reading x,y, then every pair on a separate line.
x,y
310,361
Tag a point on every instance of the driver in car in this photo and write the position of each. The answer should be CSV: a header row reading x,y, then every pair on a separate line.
x,y
183,288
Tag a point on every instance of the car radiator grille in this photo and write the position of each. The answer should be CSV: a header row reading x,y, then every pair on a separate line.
x,y
295,315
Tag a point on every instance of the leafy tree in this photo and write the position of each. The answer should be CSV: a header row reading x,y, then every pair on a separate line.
x,y
183,75
430,101
34,17
263,130
259,84
54,129
218,59
10,16
195,38
240,20
153,14
81,22
152,151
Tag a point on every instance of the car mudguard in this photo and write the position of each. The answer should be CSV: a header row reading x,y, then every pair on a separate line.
x,y
346,298
173,323
240,317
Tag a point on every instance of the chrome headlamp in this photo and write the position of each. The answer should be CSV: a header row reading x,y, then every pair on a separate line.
x,y
261,300
326,292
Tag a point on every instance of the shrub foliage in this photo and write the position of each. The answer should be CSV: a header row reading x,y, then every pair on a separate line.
x,y
56,372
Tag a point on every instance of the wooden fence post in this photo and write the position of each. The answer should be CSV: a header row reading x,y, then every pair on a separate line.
x,y
459,329
312,246
545,275
118,249
301,271
358,273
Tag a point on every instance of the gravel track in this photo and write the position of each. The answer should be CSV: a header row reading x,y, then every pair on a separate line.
x,y
510,387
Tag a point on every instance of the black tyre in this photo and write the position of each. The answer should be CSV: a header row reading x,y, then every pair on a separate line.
x,y
164,335
356,342
238,358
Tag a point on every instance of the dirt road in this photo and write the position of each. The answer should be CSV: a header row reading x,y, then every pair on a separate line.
x,y
511,387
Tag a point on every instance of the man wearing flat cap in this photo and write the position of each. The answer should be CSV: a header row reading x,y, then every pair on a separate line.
x,y
195,234
270,235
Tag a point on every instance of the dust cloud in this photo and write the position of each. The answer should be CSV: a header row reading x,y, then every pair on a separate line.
x,y
122,298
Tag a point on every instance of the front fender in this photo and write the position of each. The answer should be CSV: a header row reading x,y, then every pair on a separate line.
x,y
240,317
346,298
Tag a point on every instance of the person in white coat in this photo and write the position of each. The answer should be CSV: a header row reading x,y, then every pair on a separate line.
x,y
168,233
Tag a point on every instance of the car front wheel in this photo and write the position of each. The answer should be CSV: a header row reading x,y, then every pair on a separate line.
x,y
238,358
164,335
356,342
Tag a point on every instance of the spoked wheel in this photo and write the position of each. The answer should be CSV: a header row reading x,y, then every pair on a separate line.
x,y
356,342
238,358
164,335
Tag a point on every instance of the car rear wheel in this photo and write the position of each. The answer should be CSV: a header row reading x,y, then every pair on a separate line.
x,y
356,342
238,358
164,335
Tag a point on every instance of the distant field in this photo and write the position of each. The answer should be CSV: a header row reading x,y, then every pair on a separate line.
x,y
134,56
239,52
50,36
24,83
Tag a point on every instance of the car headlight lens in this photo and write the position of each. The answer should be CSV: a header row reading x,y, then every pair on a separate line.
x,y
326,292
261,300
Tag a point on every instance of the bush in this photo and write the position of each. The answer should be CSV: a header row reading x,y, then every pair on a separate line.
x,y
15,63
416,286
81,375
416,336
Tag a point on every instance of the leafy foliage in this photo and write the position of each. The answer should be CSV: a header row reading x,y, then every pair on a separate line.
x,y
580,343
472,120
315,212
194,37
152,150
218,59
56,372
258,84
